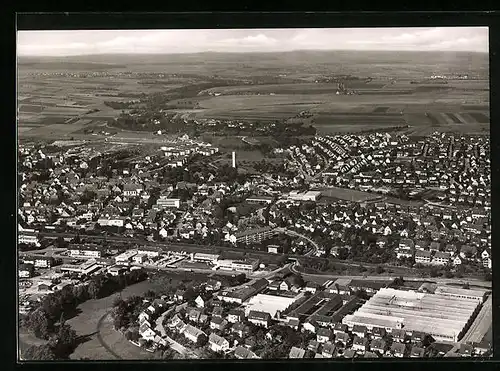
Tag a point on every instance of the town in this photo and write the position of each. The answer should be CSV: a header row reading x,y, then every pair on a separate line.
x,y
253,194
115,210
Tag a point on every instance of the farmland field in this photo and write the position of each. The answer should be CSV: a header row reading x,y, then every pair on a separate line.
x,y
392,88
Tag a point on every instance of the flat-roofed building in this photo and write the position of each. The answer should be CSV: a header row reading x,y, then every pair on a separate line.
x,y
442,317
85,251
248,265
260,199
28,237
125,257
457,292
203,257
305,196
88,267
164,202
150,252
255,235
270,303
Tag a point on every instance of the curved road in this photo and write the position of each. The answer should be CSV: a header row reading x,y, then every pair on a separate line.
x,y
101,340
314,244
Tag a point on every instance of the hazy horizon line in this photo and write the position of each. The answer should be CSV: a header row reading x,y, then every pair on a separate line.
x,y
257,52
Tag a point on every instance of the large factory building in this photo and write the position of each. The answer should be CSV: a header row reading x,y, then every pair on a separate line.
x,y
444,317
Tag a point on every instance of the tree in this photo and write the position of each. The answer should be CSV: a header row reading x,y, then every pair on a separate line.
x,y
61,243
38,323
487,276
38,353
434,272
65,341
379,269
202,341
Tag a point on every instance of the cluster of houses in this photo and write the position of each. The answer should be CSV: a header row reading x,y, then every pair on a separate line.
x,y
457,169
430,234
344,342
227,329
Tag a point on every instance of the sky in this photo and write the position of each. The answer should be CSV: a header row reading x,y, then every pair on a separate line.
x,y
81,42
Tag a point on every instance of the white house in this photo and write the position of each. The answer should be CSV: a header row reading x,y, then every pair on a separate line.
x,y
218,343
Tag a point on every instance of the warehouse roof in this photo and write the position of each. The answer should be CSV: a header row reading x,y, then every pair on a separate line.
x,y
436,315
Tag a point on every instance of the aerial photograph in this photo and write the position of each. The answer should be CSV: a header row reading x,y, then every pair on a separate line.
x,y
253,194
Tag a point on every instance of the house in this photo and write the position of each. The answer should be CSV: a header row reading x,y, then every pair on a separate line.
x,y
26,270
180,295
422,257
350,353
311,287
218,323
457,260
342,338
323,335
359,330
200,302
360,344
236,315
398,335
398,349
378,332
406,244
313,346
328,350
259,318
339,328
296,353
421,245
146,332
194,315
311,326
217,312
240,329
293,323
218,343
285,286
434,246
440,258
192,333
417,352
244,353
378,345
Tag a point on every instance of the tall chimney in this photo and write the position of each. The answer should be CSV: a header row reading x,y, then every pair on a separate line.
x,y
234,159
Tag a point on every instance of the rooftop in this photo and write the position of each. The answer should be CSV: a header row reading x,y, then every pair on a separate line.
x,y
415,311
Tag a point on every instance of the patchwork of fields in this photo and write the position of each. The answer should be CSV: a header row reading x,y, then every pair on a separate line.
x,y
393,95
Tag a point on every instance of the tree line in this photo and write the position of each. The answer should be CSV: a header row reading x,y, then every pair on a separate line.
x,y
47,320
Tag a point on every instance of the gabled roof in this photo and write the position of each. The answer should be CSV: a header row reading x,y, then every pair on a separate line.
x,y
263,316
296,353
324,332
398,348
216,339
244,353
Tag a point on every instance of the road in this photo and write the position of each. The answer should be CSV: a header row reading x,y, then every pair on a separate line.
x,y
315,246
161,245
166,246
481,324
